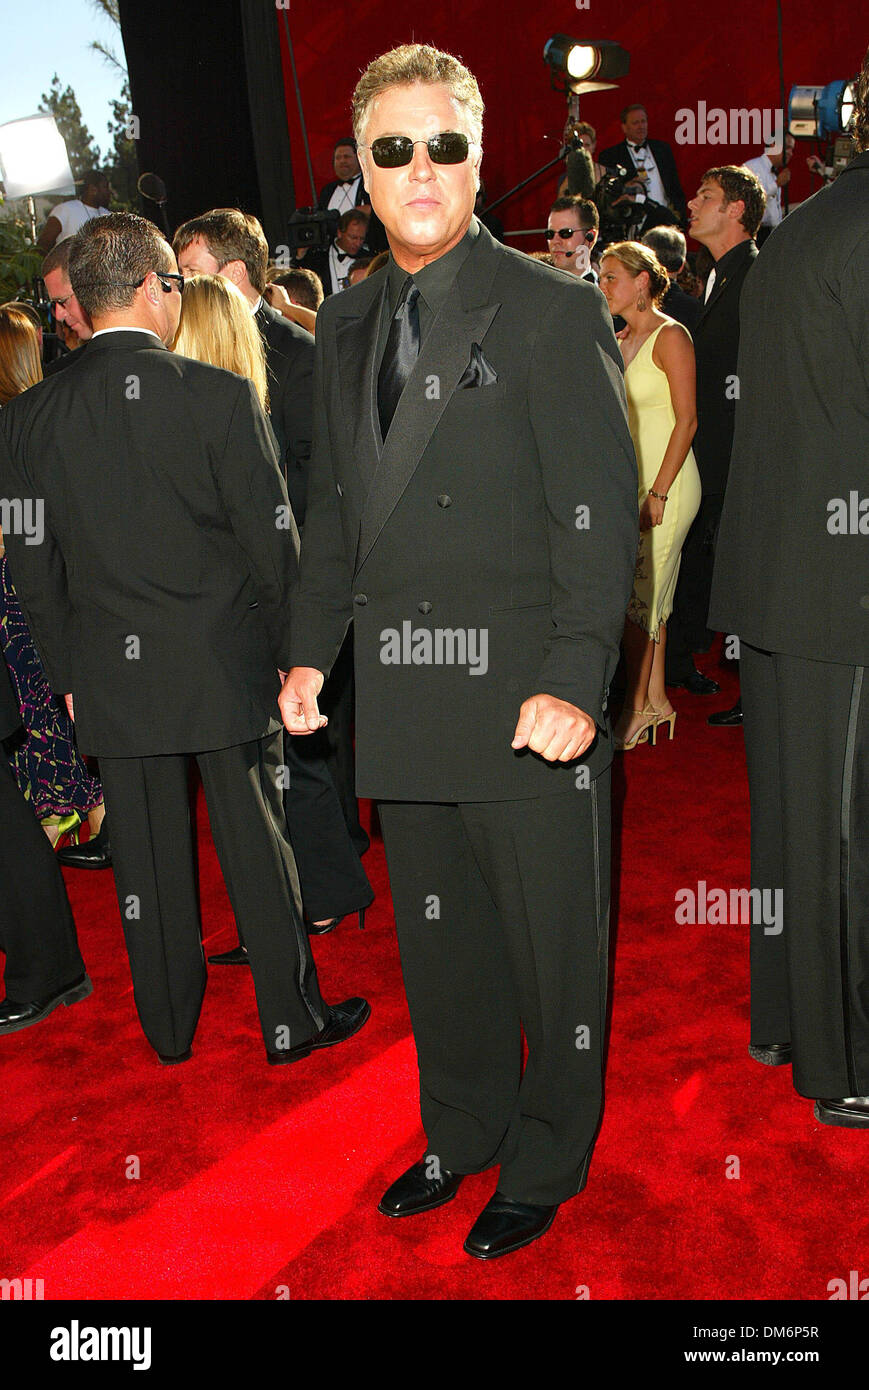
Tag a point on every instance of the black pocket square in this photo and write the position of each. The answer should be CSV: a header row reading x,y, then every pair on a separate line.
x,y
478,371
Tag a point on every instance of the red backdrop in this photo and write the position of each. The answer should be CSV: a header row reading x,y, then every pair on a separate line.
x,y
682,52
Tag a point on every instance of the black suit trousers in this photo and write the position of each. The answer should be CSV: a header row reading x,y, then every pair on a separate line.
x,y
36,927
687,630
502,916
153,856
807,745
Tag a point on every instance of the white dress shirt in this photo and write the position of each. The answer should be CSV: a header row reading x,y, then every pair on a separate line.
x,y
653,187
762,166
343,198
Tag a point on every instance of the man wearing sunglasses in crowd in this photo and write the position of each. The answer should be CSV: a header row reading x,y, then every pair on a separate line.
x,y
571,234
472,510
159,602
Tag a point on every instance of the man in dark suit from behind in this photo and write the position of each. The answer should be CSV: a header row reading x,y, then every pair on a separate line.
x,y
669,245
44,968
792,581
655,165
725,215
159,602
231,243
473,510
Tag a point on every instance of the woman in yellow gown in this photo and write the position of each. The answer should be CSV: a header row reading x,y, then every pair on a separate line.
x,y
661,389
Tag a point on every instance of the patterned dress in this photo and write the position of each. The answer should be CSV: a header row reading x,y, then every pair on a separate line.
x,y
48,769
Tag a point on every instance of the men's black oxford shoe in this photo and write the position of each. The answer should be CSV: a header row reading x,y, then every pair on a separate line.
x,y
726,718
172,1059
95,853
852,1112
237,956
771,1054
415,1192
505,1225
697,684
15,1016
342,1022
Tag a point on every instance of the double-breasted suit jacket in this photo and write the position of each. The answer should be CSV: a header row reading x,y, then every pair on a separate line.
x,y
485,552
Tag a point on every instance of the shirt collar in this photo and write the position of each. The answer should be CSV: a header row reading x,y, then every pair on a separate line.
x,y
729,259
127,328
435,280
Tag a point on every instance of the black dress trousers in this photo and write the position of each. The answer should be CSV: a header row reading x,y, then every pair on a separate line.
x,y
152,851
807,743
688,629
502,913
36,927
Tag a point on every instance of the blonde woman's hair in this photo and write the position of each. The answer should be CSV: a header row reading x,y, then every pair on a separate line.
x,y
20,360
217,326
417,62
636,258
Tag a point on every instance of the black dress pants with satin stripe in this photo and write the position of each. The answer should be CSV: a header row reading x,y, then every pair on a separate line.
x,y
36,927
502,914
807,744
153,856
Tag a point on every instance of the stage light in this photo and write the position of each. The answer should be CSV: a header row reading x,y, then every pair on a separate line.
x,y
585,67
33,158
815,113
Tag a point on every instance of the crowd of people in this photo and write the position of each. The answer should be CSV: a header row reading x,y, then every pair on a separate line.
x,y
251,487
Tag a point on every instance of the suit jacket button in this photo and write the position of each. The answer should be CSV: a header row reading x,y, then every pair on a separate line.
x,y
444,500
361,599
424,607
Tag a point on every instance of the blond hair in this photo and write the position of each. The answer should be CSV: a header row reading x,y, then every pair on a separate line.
x,y
217,326
636,258
20,360
417,62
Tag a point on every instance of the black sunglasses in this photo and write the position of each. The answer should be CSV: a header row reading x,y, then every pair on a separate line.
x,y
162,276
564,232
394,151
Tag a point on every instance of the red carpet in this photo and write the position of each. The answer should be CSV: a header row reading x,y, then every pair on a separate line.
x,y
259,1182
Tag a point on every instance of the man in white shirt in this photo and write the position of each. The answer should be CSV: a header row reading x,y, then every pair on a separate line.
x,y
774,175
65,219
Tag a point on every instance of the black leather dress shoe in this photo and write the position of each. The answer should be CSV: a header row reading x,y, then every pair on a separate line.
x,y
95,853
697,684
171,1059
343,1021
414,1192
850,1113
237,956
726,718
505,1225
15,1016
771,1054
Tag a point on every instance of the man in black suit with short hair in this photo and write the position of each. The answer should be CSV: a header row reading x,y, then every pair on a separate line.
x,y
473,510
653,160
792,582
725,215
669,245
159,602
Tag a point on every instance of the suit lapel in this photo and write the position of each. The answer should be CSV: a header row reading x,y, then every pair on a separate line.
x,y
463,320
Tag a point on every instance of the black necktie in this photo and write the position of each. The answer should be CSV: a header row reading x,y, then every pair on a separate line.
x,y
400,354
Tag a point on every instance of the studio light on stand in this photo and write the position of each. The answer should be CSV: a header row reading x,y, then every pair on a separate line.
x,y
576,67
34,162
825,114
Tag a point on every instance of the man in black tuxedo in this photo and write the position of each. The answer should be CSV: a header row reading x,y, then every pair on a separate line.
x,y
655,164
725,215
347,191
159,602
332,264
473,510
792,581
231,243
44,968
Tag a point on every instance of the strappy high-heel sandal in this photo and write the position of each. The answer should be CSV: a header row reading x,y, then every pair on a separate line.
x,y
662,716
641,734
66,826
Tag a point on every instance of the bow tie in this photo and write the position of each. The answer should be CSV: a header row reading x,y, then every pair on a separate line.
x,y
345,183
637,148
342,255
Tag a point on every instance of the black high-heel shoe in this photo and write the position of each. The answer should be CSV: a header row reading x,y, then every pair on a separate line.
x,y
314,930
